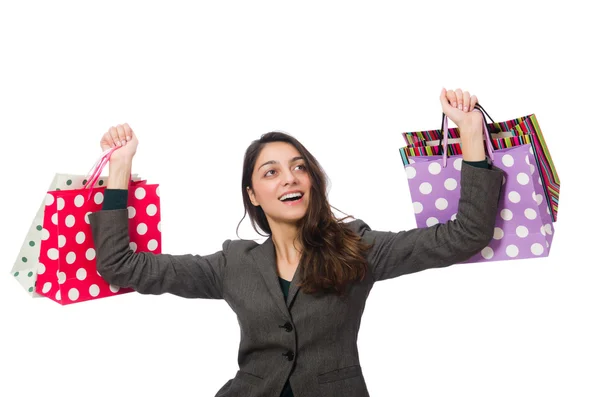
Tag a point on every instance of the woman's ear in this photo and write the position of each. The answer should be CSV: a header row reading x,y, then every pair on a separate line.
x,y
251,196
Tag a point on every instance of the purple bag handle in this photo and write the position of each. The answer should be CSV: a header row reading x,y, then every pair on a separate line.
x,y
487,138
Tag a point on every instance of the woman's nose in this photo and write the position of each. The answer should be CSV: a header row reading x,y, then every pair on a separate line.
x,y
289,178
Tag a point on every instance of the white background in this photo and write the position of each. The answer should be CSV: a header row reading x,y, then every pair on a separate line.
x,y
198,83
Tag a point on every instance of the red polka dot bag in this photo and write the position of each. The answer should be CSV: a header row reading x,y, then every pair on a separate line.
x,y
524,227
67,259
26,265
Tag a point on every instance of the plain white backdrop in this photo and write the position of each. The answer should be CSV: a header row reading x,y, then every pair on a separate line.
x,y
199,81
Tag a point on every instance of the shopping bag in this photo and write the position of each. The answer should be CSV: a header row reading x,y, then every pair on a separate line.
x,y
524,227
521,130
67,260
431,148
26,265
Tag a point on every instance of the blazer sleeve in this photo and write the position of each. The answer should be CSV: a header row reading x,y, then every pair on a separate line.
x,y
396,253
190,276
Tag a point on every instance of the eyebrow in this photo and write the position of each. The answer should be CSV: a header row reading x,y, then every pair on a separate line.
x,y
275,162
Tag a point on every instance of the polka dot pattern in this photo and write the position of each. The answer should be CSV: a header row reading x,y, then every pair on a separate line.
x,y
152,245
441,204
80,238
435,168
94,290
432,221
79,200
28,268
140,193
450,184
425,188
62,277
67,250
498,233
523,229
457,164
151,210
514,197
142,228
417,207
130,212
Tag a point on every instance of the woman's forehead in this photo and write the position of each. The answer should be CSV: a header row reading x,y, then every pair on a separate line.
x,y
277,151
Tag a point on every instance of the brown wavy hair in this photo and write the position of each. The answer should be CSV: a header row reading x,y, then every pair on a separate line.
x,y
333,256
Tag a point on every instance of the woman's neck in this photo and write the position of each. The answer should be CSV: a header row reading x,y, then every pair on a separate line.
x,y
288,247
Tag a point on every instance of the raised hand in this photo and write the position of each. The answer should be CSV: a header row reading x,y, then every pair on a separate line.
x,y
123,137
458,106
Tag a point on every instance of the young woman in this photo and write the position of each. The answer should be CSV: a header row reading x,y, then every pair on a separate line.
x,y
312,269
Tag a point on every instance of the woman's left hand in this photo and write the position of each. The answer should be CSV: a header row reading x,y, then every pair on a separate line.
x,y
458,106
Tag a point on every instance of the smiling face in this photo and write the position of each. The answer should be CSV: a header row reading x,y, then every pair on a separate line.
x,y
280,170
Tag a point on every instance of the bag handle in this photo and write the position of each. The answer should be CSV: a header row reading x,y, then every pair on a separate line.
x,y
444,141
478,106
486,126
96,171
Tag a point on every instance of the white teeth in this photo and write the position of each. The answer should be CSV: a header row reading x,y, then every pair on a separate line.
x,y
290,195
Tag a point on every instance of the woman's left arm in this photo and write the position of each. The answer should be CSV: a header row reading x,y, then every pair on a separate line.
x,y
397,253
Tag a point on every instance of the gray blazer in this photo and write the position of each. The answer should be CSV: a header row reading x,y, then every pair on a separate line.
x,y
312,338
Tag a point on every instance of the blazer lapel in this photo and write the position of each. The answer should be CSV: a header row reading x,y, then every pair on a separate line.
x,y
264,256
293,288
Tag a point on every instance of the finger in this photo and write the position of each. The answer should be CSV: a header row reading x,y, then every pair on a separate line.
x,y
466,101
444,101
451,98
473,102
106,142
447,108
114,134
121,132
459,98
128,131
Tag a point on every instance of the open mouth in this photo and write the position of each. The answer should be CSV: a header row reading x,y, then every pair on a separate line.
x,y
291,197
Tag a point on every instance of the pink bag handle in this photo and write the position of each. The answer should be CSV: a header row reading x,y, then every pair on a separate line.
x,y
488,142
96,171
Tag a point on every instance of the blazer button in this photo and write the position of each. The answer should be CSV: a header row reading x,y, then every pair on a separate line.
x,y
290,355
287,326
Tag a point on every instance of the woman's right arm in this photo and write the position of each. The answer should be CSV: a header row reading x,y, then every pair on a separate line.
x,y
190,276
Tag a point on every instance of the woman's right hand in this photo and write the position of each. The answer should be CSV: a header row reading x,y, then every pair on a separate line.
x,y
123,137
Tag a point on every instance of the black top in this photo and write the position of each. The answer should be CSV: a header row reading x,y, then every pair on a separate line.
x,y
285,287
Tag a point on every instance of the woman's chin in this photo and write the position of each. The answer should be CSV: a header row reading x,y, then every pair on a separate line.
x,y
291,218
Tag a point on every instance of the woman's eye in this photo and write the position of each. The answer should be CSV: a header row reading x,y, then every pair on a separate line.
x,y
301,166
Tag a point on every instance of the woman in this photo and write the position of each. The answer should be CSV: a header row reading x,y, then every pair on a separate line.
x,y
313,268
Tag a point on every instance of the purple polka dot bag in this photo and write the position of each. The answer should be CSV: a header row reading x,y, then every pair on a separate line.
x,y
524,227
